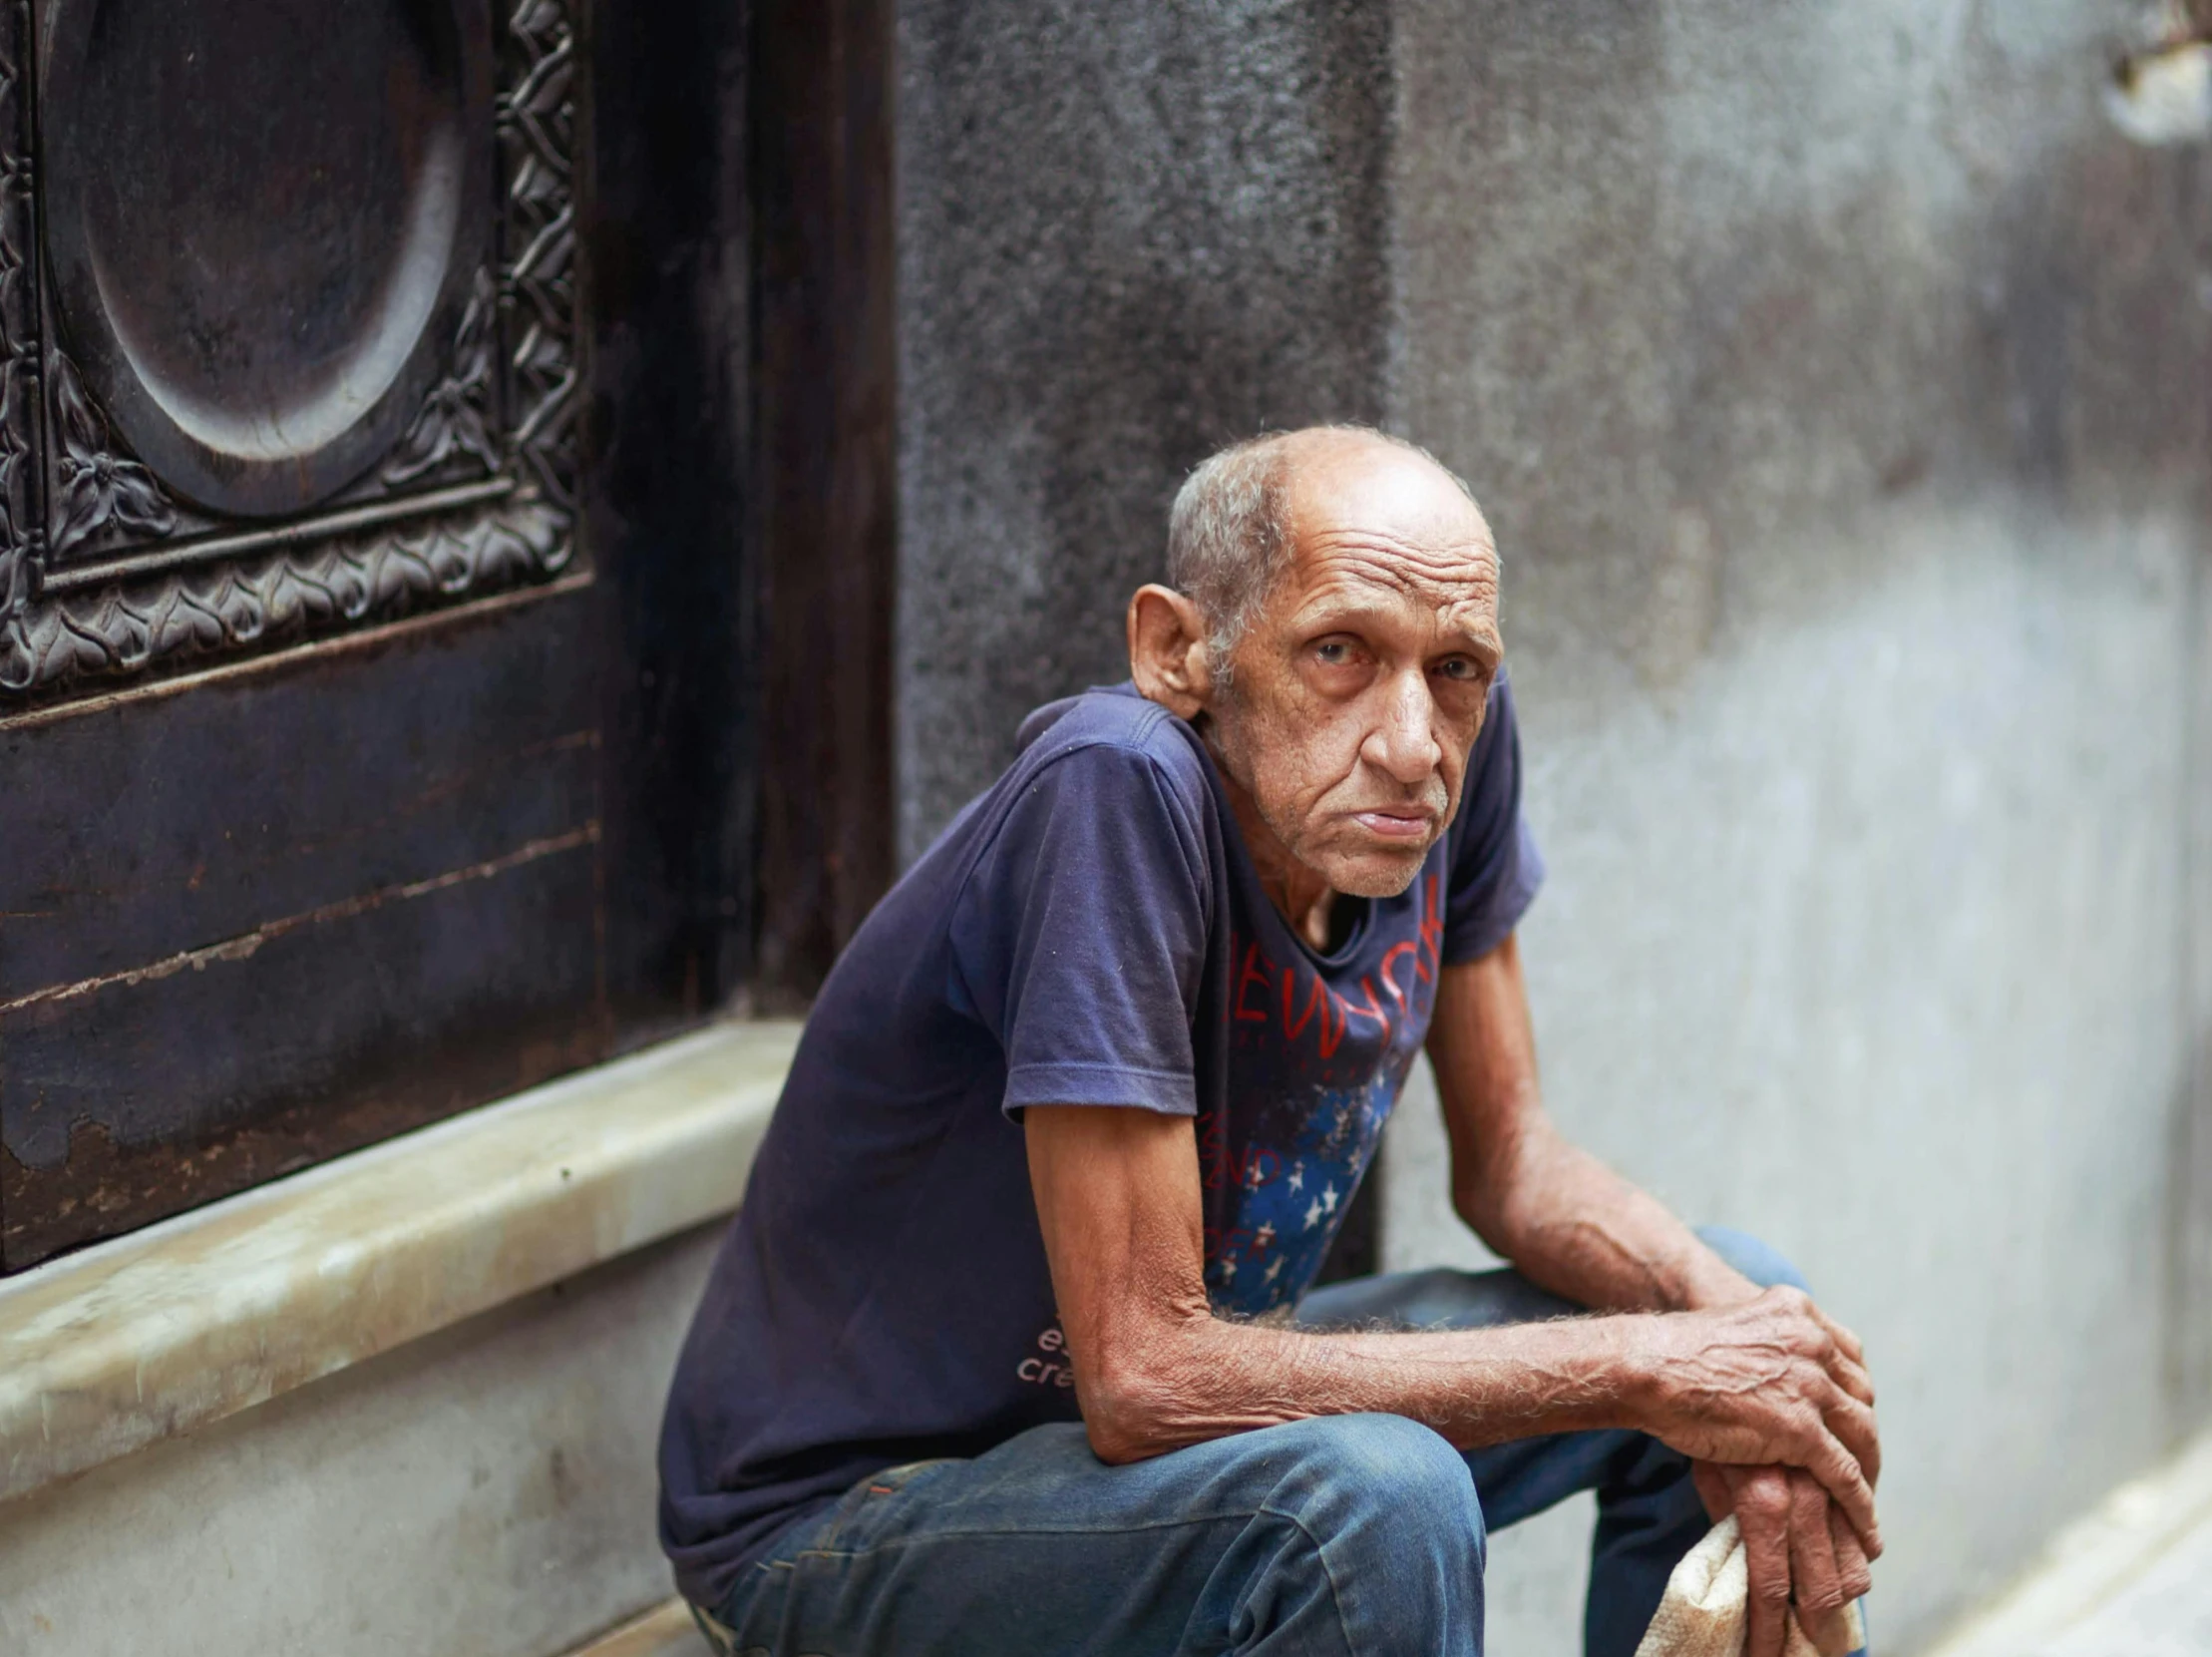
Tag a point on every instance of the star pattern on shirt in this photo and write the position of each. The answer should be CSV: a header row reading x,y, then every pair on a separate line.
x,y
1286,1200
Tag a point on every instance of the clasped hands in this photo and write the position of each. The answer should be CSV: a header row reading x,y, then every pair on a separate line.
x,y
1771,1400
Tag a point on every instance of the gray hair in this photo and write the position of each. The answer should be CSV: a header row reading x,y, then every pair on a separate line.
x,y
1229,534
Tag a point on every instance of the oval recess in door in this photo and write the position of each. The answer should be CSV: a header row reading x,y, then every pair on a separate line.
x,y
263,219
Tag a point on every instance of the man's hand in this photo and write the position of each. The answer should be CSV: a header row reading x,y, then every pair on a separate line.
x,y
1772,1381
1796,1542
1799,1546
1765,1393
1801,1543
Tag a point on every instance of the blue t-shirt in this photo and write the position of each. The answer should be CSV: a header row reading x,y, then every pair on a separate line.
x,y
1090,931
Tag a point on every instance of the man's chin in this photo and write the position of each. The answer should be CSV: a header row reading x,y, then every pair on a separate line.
x,y
1374,874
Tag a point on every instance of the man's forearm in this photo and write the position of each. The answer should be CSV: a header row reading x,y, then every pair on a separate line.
x,y
1575,1227
1768,1381
1118,1203
1201,1376
1563,1217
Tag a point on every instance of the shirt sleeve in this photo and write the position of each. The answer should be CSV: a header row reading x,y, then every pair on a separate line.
x,y
1079,938
1496,868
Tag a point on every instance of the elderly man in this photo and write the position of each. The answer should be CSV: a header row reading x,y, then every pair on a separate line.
x,y
1011,1347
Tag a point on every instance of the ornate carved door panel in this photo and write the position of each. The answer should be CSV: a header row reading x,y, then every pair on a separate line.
x,y
371,743
300,352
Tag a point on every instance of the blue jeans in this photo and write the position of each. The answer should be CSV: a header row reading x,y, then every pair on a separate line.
x,y
1357,1535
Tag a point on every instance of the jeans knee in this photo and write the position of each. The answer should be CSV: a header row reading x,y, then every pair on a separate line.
x,y
1367,1537
1385,1472
1760,1262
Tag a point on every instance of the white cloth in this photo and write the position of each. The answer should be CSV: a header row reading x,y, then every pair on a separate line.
x,y
1706,1608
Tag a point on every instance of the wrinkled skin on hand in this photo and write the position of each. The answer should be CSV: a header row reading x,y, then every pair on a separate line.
x,y
1798,1545
1770,1380
1772,1398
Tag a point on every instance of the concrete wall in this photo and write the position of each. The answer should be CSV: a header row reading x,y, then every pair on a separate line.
x,y
1127,235
1836,381
487,1492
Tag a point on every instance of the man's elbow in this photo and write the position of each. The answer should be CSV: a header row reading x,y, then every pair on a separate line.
x,y
1509,1193
1134,1410
1118,1439
1470,1204
1477,1204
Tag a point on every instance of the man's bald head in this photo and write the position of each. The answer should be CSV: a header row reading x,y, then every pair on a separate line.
x,y
1233,531
1332,631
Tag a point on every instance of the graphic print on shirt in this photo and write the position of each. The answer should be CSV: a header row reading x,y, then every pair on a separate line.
x,y
1051,1364
1314,1069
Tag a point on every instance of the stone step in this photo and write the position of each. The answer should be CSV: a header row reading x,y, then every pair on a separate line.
x,y
664,1631
2132,1578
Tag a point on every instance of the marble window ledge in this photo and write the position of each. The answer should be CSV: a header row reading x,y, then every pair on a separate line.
x,y
170,1328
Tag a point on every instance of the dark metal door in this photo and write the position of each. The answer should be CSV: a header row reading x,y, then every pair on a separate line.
x,y
375,729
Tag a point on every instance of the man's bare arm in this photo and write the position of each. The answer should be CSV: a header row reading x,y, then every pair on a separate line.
x,y
1566,1221
1118,1199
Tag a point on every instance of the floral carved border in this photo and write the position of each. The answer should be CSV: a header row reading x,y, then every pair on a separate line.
x,y
536,121
456,417
22,540
518,336
333,582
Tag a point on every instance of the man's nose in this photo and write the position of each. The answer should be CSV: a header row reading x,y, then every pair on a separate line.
x,y
1403,741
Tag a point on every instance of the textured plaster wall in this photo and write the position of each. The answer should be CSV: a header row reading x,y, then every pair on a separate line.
x,y
484,1493
1127,235
1836,380
1837,383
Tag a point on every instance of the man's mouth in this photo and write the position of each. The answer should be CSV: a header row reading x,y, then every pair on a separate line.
x,y
1405,823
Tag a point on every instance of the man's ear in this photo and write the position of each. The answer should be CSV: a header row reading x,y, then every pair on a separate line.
x,y
1167,656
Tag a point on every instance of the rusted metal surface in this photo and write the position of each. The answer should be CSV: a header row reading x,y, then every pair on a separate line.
x,y
141,829
263,921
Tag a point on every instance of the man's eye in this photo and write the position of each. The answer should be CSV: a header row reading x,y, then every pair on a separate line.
x,y
1334,654
1459,668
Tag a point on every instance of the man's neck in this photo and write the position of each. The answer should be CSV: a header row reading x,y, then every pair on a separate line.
x,y
1301,896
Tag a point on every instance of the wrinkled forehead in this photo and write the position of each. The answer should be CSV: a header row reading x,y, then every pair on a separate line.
x,y
1377,525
